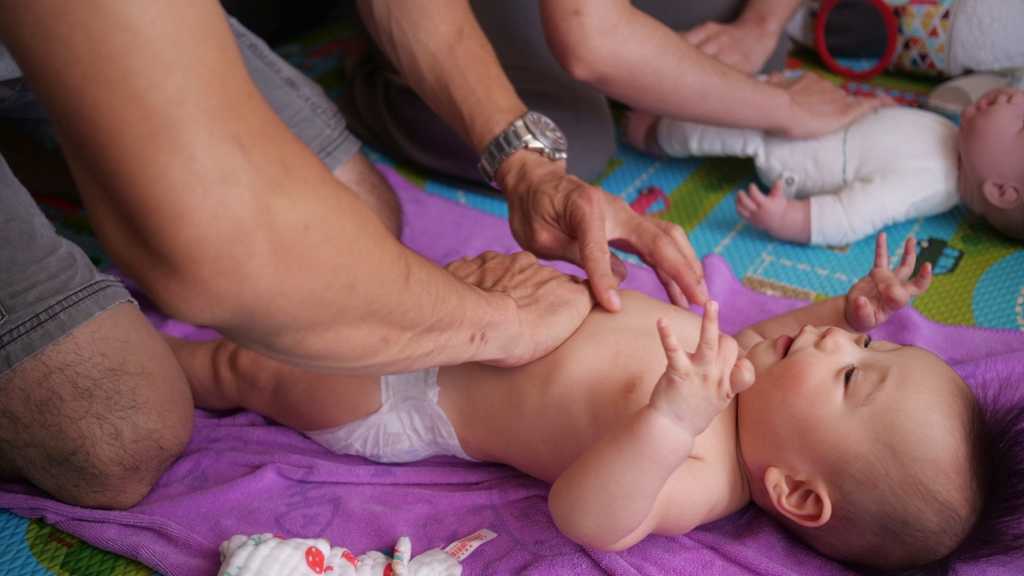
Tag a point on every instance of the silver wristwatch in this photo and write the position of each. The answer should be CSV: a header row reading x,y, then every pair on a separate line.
x,y
532,131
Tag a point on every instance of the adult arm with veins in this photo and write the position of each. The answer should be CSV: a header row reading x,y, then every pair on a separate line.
x,y
636,59
203,195
442,53
747,43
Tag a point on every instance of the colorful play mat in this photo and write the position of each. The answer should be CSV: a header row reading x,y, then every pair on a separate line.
x,y
979,276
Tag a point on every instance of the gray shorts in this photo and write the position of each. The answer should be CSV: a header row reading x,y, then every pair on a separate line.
x,y
48,286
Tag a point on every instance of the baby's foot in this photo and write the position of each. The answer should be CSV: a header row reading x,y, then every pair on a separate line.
x,y
775,214
641,131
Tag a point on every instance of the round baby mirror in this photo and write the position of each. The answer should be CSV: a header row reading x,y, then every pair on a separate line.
x,y
856,38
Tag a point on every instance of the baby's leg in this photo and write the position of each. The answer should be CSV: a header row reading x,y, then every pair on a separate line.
x,y
225,376
682,139
641,132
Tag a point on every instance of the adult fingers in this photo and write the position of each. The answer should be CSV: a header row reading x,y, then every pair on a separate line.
x,y
619,268
587,220
664,247
682,242
675,295
700,33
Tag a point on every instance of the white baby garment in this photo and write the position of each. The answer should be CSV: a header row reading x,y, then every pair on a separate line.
x,y
892,165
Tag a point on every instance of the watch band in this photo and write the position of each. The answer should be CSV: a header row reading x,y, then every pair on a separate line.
x,y
516,136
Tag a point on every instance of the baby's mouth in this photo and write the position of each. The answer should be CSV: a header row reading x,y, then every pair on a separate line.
x,y
783,344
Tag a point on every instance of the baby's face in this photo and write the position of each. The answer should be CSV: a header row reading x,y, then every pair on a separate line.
x,y
825,398
991,145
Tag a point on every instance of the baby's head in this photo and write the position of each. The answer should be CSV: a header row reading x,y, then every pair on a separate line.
x,y
991,144
868,451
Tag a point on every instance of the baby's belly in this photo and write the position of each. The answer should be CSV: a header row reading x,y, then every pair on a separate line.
x,y
541,417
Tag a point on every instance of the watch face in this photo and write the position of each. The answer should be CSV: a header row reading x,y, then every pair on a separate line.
x,y
546,131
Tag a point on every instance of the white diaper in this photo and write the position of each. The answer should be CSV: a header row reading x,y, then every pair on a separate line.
x,y
409,425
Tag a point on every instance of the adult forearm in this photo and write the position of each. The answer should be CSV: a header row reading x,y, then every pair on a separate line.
x,y
770,16
601,500
226,219
635,59
440,50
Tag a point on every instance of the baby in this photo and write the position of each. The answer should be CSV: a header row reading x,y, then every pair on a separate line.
x,y
892,165
868,450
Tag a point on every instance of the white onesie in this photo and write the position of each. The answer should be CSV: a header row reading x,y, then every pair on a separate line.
x,y
892,165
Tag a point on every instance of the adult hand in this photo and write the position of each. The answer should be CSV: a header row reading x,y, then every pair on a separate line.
x,y
743,46
549,306
818,107
558,216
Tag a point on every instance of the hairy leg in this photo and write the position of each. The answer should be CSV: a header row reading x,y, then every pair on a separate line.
x,y
96,417
225,376
360,175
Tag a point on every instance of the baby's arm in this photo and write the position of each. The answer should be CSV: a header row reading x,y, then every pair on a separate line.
x,y
610,497
857,210
868,303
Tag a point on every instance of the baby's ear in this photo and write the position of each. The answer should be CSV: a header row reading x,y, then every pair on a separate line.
x,y
804,501
1003,195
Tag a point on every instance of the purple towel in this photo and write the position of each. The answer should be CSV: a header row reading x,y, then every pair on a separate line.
x,y
240,474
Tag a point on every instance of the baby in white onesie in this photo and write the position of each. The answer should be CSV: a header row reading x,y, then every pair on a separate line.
x,y
892,165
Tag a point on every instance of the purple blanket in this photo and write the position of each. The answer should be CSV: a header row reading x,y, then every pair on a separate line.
x,y
240,474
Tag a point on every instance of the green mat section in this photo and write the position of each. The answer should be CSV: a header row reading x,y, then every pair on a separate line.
x,y
979,275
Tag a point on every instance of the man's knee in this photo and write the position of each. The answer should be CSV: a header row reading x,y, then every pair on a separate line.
x,y
120,470
95,418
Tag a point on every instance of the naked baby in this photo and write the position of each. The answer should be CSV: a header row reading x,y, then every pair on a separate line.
x,y
892,165
867,450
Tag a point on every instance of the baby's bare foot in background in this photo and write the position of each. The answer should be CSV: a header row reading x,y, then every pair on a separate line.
x,y
641,131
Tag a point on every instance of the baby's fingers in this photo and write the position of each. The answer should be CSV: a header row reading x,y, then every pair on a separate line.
x,y
707,348
881,251
742,376
677,360
923,280
906,267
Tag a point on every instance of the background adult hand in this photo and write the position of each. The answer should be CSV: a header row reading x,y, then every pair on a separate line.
x,y
743,46
819,107
555,215
549,306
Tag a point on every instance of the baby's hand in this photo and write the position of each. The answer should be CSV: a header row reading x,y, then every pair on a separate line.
x,y
774,213
696,387
883,291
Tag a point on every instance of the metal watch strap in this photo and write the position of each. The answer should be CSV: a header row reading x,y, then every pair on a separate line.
x,y
516,137
504,144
